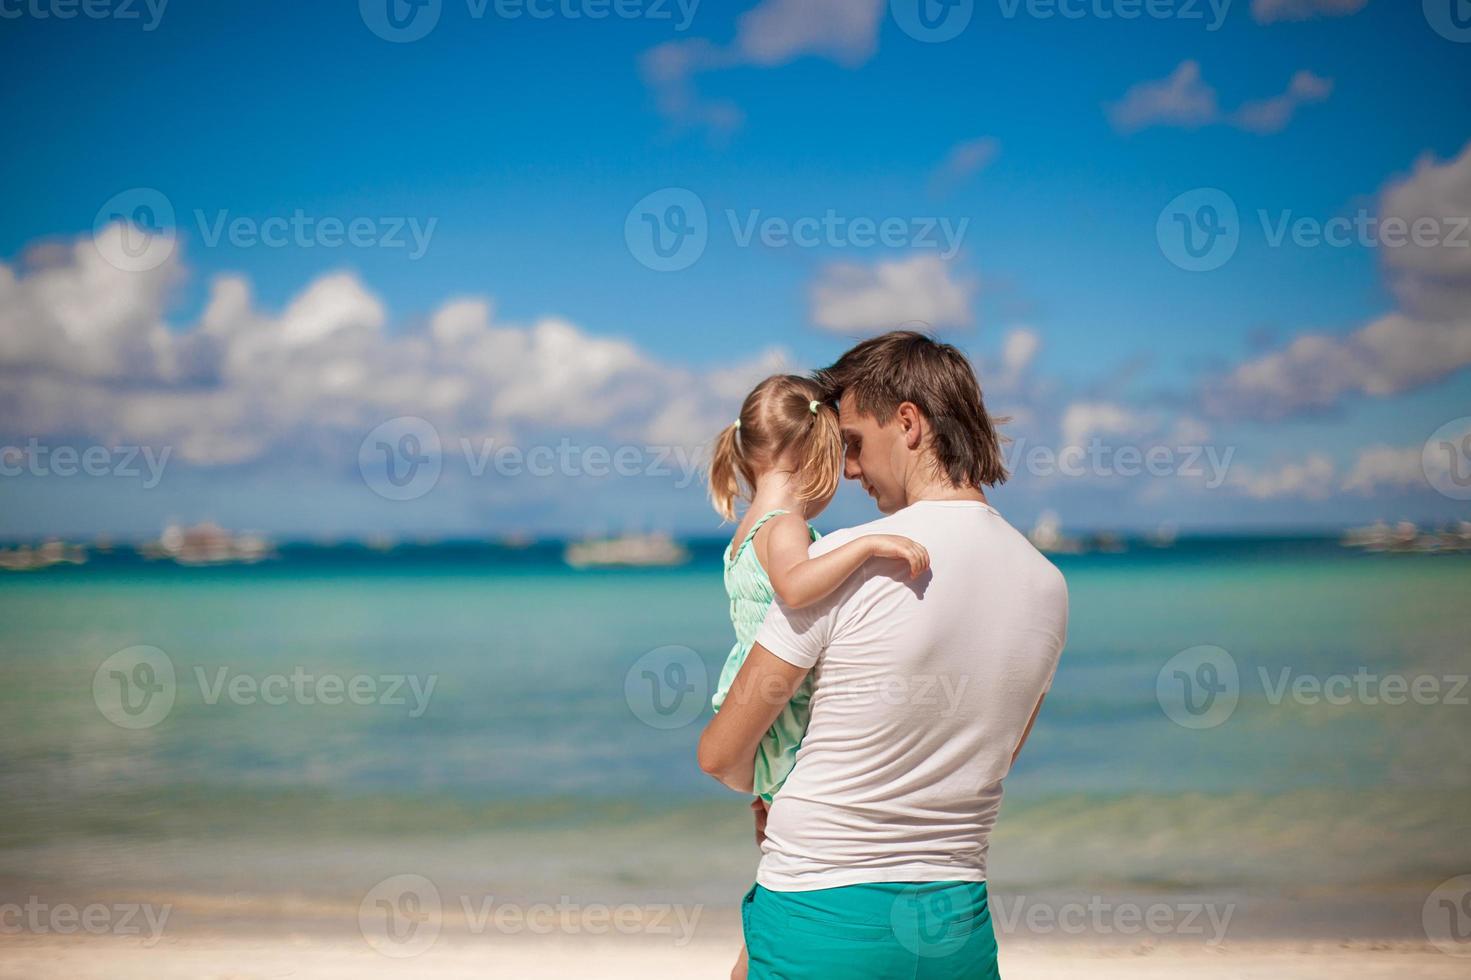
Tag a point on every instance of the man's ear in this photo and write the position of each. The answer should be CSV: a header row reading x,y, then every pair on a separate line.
x,y
911,424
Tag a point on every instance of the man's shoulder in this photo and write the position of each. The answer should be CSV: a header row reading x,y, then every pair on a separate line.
x,y
832,540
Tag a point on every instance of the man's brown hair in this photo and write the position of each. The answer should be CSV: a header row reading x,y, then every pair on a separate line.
x,y
905,366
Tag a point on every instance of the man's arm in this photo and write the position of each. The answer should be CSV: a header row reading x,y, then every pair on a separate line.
x,y
762,688
1030,722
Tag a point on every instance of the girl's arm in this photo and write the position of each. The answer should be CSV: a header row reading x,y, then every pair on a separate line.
x,y
800,581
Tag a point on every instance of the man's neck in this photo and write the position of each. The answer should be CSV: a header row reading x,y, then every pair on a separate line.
x,y
942,490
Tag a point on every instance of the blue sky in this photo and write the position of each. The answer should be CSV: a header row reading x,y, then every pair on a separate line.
x,y
521,144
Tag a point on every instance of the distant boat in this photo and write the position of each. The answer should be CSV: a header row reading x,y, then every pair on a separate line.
x,y
1106,542
1047,536
1407,537
26,558
629,551
207,544
1164,536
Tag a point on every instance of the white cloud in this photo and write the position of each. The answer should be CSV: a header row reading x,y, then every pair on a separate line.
x,y
1391,355
775,32
1386,466
854,299
1433,277
1427,341
85,352
1185,100
1271,11
1311,479
1018,350
1182,99
76,314
771,34
1272,115
1084,420
965,160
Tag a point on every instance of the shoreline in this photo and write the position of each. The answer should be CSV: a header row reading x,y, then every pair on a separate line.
x,y
1111,918
206,954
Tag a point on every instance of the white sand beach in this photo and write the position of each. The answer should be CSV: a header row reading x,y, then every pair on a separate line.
x,y
218,958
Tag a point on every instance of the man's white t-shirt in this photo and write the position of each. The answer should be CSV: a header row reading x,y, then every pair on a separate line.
x,y
920,693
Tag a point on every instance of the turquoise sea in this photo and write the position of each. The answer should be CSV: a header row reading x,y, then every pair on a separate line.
x,y
526,770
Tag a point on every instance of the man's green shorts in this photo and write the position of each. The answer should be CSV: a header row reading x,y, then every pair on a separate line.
x,y
885,930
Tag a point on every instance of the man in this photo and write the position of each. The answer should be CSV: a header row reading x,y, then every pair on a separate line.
x,y
874,855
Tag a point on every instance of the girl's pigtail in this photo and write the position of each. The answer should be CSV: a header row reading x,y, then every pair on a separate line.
x,y
725,482
822,455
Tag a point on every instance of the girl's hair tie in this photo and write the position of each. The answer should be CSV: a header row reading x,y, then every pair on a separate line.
x,y
737,423
813,405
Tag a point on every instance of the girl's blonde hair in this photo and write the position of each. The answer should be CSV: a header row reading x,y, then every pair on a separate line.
x,y
783,420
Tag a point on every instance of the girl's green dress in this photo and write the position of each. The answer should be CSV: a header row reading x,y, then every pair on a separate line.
x,y
749,588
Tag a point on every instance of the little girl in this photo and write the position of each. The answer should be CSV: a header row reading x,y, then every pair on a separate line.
x,y
784,455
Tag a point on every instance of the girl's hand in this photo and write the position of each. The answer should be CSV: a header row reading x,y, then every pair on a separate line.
x,y
905,549
758,806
